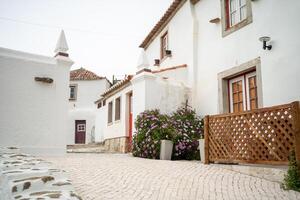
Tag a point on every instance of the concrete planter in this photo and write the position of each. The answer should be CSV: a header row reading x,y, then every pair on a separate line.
x,y
201,149
166,148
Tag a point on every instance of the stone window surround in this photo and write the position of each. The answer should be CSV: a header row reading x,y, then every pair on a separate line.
x,y
224,76
76,87
224,19
117,109
110,113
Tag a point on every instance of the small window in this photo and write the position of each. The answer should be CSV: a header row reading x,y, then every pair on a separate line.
x,y
118,109
80,127
73,92
110,108
104,102
99,105
235,15
163,45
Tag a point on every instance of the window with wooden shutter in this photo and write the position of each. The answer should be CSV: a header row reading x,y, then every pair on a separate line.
x,y
163,45
118,108
110,108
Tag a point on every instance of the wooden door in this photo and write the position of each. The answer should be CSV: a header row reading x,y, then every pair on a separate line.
x,y
243,92
237,94
80,130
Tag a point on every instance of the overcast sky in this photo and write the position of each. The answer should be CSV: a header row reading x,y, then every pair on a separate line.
x,y
103,35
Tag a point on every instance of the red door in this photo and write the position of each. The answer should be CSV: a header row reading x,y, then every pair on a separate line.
x,y
80,129
130,122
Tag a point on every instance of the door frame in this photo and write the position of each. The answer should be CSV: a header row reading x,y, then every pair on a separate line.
x,y
78,122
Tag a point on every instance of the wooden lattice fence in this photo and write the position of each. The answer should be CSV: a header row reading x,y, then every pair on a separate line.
x,y
263,136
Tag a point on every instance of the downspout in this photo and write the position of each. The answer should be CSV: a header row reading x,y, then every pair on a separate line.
x,y
193,73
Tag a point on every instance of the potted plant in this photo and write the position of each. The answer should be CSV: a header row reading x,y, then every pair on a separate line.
x,y
166,147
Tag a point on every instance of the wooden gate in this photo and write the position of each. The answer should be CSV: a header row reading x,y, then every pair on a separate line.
x,y
264,136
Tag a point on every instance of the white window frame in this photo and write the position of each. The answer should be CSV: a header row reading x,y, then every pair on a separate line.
x,y
75,92
234,80
237,11
246,95
247,76
81,129
227,26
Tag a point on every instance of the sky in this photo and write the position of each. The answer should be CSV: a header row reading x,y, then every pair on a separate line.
x,y
103,35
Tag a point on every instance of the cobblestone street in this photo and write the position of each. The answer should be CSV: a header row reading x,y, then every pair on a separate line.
x,y
119,176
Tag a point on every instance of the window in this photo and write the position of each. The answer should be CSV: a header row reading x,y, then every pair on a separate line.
x,y
99,105
163,45
80,127
104,102
235,15
73,92
243,92
118,109
110,107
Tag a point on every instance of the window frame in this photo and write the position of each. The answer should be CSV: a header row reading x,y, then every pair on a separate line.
x,y
118,109
110,113
75,86
164,47
225,17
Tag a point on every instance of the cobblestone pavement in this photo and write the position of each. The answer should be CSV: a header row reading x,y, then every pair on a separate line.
x,y
121,176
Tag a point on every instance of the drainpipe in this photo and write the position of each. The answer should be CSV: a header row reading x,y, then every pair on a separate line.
x,y
193,72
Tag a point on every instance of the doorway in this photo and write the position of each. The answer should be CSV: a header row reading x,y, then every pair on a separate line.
x,y
80,130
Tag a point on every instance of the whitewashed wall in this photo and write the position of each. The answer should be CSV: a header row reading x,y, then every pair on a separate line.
x,y
153,92
198,43
33,114
180,42
279,67
117,128
84,107
100,123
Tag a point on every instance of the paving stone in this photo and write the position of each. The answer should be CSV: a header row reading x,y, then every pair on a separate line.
x,y
121,176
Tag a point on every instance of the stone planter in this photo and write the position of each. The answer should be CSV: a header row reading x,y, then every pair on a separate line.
x,y
166,148
201,149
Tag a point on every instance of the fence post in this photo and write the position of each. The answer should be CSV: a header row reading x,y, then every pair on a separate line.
x,y
296,111
206,140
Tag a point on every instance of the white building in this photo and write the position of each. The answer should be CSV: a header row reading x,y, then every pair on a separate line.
x,y
34,100
218,56
219,42
85,88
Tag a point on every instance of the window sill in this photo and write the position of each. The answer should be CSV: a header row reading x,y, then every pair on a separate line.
x,y
236,27
117,121
72,99
110,123
165,58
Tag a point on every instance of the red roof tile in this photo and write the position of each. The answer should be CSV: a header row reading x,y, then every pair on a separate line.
x,y
116,86
83,74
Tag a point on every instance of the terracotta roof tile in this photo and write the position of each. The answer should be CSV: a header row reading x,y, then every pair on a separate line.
x,y
162,22
83,74
117,85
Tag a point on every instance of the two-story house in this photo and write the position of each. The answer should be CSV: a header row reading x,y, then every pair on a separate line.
x,y
240,54
218,56
84,89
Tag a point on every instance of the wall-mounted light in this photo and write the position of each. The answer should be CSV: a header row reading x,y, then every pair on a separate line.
x,y
265,39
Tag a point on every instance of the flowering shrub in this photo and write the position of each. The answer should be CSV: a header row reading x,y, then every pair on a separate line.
x,y
189,128
151,127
